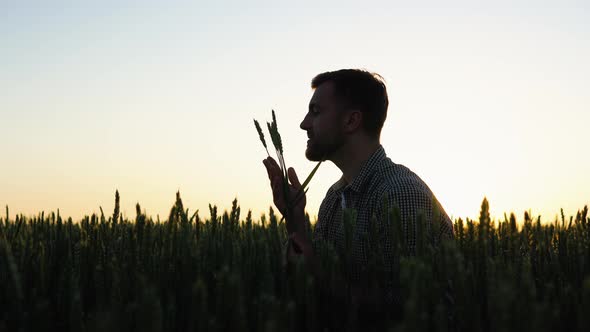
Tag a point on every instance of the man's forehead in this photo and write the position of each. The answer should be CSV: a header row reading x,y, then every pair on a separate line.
x,y
322,93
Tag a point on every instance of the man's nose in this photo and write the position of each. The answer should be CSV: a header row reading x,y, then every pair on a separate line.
x,y
304,124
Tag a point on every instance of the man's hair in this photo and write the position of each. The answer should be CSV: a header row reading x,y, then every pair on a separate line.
x,y
360,89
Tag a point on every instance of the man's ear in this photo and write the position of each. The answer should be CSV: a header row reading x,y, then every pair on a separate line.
x,y
353,120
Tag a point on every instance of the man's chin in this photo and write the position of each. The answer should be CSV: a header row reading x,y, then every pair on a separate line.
x,y
313,155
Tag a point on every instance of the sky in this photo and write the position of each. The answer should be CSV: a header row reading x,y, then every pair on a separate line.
x,y
487,99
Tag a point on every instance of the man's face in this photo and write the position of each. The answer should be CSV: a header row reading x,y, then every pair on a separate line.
x,y
323,124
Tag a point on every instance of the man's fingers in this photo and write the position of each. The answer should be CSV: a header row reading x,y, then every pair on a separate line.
x,y
276,188
273,163
269,168
277,195
275,191
272,168
276,181
268,171
293,178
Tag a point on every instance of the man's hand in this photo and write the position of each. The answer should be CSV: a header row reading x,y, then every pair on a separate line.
x,y
297,222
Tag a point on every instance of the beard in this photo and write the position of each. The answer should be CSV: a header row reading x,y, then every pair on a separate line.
x,y
318,150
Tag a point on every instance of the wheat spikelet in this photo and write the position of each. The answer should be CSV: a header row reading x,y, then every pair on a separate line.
x,y
261,135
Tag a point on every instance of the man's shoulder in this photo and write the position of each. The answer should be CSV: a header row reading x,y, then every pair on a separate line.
x,y
397,180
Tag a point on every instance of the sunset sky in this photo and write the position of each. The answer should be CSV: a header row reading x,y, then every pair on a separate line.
x,y
152,98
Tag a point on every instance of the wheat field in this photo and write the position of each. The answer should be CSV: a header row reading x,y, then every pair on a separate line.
x,y
226,273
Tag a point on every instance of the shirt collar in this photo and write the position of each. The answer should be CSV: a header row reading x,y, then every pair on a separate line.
x,y
361,179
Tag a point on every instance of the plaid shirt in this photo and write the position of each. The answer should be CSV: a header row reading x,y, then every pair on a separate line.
x,y
379,177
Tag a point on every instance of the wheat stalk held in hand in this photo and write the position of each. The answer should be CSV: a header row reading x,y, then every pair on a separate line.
x,y
278,144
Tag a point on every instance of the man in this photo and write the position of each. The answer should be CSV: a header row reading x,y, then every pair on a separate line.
x,y
343,124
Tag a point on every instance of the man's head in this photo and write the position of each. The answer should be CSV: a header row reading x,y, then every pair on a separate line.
x,y
345,104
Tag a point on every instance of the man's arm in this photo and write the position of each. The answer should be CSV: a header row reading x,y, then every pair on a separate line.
x,y
294,215
300,245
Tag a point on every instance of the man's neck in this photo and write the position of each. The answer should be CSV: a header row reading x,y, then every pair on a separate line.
x,y
351,158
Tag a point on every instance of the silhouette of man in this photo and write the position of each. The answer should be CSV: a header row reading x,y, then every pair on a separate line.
x,y
344,121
